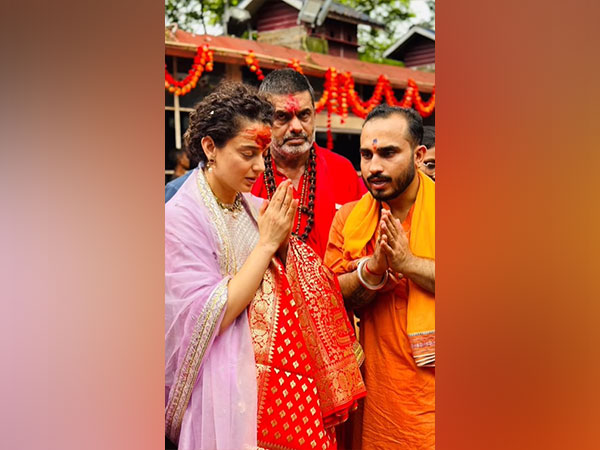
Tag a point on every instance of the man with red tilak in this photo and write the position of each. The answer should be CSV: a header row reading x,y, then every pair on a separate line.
x,y
322,180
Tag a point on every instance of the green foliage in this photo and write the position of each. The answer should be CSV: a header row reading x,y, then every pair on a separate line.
x,y
388,62
188,14
246,35
431,22
315,44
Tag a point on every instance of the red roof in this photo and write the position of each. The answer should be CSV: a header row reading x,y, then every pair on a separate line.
x,y
234,50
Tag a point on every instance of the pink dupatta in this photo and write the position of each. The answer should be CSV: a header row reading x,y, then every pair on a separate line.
x,y
210,379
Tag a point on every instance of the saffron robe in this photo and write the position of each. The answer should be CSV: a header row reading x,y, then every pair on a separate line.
x,y
399,411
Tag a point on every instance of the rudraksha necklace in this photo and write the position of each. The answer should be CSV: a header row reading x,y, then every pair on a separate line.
x,y
306,205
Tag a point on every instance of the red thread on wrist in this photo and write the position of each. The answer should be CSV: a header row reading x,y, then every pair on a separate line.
x,y
371,273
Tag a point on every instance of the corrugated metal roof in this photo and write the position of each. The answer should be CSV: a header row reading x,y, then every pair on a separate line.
x,y
275,56
415,30
252,6
346,11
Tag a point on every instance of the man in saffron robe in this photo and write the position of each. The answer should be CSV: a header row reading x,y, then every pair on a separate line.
x,y
322,179
383,249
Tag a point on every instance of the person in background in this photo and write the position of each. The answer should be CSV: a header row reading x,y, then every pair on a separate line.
x,y
428,164
180,161
186,161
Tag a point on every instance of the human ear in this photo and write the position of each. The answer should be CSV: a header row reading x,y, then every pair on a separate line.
x,y
420,154
209,147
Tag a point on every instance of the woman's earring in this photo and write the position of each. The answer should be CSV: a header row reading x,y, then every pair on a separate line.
x,y
210,164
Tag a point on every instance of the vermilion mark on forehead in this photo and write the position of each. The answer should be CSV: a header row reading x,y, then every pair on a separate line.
x,y
292,105
263,137
374,145
259,134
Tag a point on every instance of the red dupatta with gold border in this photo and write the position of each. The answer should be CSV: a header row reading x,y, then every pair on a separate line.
x,y
307,356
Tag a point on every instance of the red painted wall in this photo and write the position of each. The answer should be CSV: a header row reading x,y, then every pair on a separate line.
x,y
420,54
275,15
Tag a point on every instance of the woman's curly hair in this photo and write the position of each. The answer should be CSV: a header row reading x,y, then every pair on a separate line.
x,y
219,115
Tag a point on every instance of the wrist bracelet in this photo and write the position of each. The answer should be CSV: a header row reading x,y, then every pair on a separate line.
x,y
366,284
366,266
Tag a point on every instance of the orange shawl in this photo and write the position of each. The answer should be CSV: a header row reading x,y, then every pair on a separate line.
x,y
359,229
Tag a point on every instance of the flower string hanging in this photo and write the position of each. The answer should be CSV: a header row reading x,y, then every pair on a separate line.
x,y
295,64
339,92
203,61
339,95
252,64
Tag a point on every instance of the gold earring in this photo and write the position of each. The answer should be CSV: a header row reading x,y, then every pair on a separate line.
x,y
210,164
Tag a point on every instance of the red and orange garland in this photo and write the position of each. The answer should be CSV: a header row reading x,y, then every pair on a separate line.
x,y
203,61
343,86
252,64
332,103
339,93
295,64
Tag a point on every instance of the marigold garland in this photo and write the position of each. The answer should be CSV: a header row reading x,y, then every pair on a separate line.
x,y
341,85
295,64
203,61
331,85
339,92
252,64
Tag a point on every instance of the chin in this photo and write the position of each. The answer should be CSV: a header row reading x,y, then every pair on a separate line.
x,y
379,195
384,196
295,149
244,186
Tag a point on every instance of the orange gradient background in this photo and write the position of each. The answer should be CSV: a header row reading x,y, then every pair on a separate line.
x,y
83,225
517,225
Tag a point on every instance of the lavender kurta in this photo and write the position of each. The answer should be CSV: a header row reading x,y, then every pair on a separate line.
x,y
210,379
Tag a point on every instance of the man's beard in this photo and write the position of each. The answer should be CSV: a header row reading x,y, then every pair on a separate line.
x,y
294,150
398,185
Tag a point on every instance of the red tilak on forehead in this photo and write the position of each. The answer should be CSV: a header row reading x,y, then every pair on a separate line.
x,y
292,105
374,145
261,135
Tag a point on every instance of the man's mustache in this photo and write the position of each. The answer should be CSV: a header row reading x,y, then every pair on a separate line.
x,y
296,136
378,178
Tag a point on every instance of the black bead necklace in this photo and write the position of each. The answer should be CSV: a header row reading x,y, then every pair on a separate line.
x,y
304,206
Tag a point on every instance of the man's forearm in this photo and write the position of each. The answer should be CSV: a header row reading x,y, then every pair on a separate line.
x,y
355,294
422,272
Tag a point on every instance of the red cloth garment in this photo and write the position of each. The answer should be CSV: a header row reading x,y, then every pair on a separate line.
x,y
307,357
336,184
